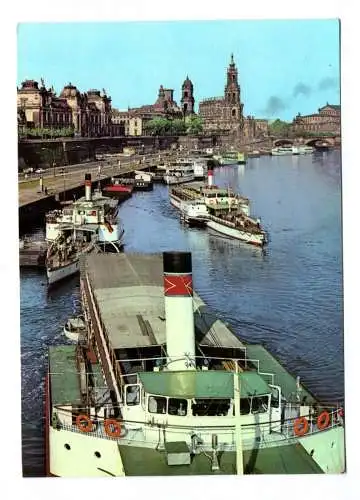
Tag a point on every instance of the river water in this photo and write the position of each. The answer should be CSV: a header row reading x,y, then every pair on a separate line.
x,y
288,297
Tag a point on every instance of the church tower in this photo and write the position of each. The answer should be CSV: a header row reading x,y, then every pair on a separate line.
x,y
187,97
232,92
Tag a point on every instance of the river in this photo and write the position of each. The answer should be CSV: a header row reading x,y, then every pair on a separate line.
x,y
288,297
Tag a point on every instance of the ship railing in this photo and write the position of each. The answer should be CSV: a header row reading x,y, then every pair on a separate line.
x,y
266,434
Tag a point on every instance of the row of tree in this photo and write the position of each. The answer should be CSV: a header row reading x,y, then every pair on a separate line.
x,y
45,133
164,126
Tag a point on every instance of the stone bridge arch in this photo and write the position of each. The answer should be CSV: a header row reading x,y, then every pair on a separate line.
x,y
283,142
318,140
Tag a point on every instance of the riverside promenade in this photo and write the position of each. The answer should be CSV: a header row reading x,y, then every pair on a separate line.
x,y
56,186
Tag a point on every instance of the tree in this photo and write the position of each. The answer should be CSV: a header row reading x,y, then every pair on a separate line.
x,y
279,128
194,125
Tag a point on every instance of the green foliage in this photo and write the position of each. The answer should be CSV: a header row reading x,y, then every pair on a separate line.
x,y
194,125
280,128
46,133
176,126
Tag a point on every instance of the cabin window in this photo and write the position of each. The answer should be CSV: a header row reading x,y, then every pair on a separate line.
x,y
177,406
259,404
210,407
245,405
157,404
132,395
275,401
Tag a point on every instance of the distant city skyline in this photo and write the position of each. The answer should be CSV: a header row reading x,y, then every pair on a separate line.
x,y
284,67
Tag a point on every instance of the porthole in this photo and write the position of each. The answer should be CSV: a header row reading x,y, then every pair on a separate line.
x,y
67,446
97,454
311,453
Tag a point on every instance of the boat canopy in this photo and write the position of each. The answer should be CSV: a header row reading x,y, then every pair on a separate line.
x,y
202,384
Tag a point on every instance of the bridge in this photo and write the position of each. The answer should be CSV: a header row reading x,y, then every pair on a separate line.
x,y
314,141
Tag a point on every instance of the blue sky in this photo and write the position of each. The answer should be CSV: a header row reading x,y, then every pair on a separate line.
x,y
285,67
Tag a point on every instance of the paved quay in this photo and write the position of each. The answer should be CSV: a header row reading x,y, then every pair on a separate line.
x,y
29,189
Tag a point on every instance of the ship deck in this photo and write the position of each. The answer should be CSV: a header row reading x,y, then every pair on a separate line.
x,y
288,459
128,289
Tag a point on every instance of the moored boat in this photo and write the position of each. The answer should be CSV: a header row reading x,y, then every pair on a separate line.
x,y
174,391
75,328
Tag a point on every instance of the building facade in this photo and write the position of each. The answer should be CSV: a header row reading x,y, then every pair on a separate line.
x,y
224,114
187,98
327,120
87,114
39,107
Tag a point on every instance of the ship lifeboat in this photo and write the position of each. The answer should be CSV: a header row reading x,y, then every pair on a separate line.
x,y
75,328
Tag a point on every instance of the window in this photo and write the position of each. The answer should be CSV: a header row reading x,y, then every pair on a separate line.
x,y
275,402
245,404
157,404
177,406
259,404
210,407
132,395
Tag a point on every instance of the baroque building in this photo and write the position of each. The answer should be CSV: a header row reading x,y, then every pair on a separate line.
x,y
88,114
38,107
326,120
187,98
224,114
134,119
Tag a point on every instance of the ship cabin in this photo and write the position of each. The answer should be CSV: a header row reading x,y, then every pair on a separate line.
x,y
221,200
202,399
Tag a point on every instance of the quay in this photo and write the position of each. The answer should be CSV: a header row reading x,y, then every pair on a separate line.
x,y
37,195
32,253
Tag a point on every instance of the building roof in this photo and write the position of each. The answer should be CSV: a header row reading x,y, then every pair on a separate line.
x,y
202,384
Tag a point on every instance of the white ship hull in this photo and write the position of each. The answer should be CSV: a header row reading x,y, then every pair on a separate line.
x,y
59,273
175,201
92,455
236,233
174,179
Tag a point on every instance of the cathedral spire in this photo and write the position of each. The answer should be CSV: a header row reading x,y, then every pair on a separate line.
x,y
232,59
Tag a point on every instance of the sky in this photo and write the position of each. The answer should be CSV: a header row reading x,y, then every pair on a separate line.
x,y
284,66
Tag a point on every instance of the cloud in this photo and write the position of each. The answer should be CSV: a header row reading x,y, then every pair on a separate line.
x,y
328,83
301,89
274,105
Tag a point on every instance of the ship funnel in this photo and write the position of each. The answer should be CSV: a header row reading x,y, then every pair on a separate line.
x,y
210,166
88,187
179,312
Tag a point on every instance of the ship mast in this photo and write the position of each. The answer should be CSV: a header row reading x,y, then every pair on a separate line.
x,y
238,443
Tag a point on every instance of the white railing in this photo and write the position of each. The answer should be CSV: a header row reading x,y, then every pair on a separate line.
x,y
131,431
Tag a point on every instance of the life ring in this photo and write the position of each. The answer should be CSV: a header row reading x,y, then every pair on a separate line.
x,y
80,419
112,428
301,426
323,420
340,412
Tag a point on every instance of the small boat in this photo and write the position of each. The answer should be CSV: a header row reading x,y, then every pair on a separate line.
x,y
75,328
254,154
232,158
282,151
118,187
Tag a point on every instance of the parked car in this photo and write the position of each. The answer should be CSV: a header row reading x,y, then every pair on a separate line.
x,y
39,171
28,170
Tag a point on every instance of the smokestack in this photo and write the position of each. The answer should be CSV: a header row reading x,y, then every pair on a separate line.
x,y
210,166
88,187
180,330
